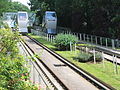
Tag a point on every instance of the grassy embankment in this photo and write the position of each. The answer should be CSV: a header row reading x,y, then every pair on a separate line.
x,y
104,73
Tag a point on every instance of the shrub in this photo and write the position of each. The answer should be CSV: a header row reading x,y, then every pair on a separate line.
x,y
98,57
84,57
29,29
62,41
13,72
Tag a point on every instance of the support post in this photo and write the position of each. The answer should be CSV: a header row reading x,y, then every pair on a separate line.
x,y
94,56
106,42
116,67
84,36
96,39
101,41
103,59
80,36
91,39
113,44
70,46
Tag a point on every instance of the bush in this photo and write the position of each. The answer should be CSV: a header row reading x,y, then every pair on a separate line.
x,y
29,29
98,57
86,57
13,72
62,41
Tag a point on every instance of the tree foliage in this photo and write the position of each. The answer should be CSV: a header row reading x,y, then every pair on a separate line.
x,y
62,41
13,73
99,17
17,6
9,6
3,5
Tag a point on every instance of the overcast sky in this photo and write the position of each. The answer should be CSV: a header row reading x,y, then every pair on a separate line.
x,y
23,2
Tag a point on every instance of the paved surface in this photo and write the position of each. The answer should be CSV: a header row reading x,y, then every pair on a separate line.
x,y
68,76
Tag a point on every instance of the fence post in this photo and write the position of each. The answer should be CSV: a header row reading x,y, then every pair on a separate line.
x,y
70,46
106,42
77,35
101,41
116,68
113,44
84,37
103,59
80,36
94,56
115,64
91,39
96,39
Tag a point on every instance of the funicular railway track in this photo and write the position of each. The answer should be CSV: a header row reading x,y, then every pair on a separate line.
x,y
49,79
93,83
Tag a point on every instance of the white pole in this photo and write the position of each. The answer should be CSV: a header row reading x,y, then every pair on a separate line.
x,y
96,39
91,39
70,46
116,68
113,44
94,56
106,42
80,36
101,41
114,64
84,37
103,59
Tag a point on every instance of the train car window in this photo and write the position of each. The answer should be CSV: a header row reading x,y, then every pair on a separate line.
x,y
51,14
22,16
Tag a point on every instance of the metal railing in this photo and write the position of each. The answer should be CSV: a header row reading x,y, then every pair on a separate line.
x,y
102,41
97,40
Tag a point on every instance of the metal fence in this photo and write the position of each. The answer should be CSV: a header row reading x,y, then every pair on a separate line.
x,y
92,39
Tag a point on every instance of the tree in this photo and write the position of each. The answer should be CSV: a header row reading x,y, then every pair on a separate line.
x,y
3,5
99,17
17,6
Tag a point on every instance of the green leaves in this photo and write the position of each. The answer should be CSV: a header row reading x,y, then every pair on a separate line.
x,y
63,41
13,72
8,42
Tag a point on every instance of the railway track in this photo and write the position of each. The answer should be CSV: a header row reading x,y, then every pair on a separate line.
x,y
96,82
51,82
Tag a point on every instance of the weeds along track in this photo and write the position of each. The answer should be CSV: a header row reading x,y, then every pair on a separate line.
x,y
89,81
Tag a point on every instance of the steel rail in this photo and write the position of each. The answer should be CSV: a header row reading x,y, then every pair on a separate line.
x,y
56,78
97,82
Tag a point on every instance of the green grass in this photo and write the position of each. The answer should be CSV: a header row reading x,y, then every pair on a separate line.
x,y
104,72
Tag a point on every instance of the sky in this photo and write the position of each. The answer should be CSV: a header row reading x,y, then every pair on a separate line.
x,y
23,2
